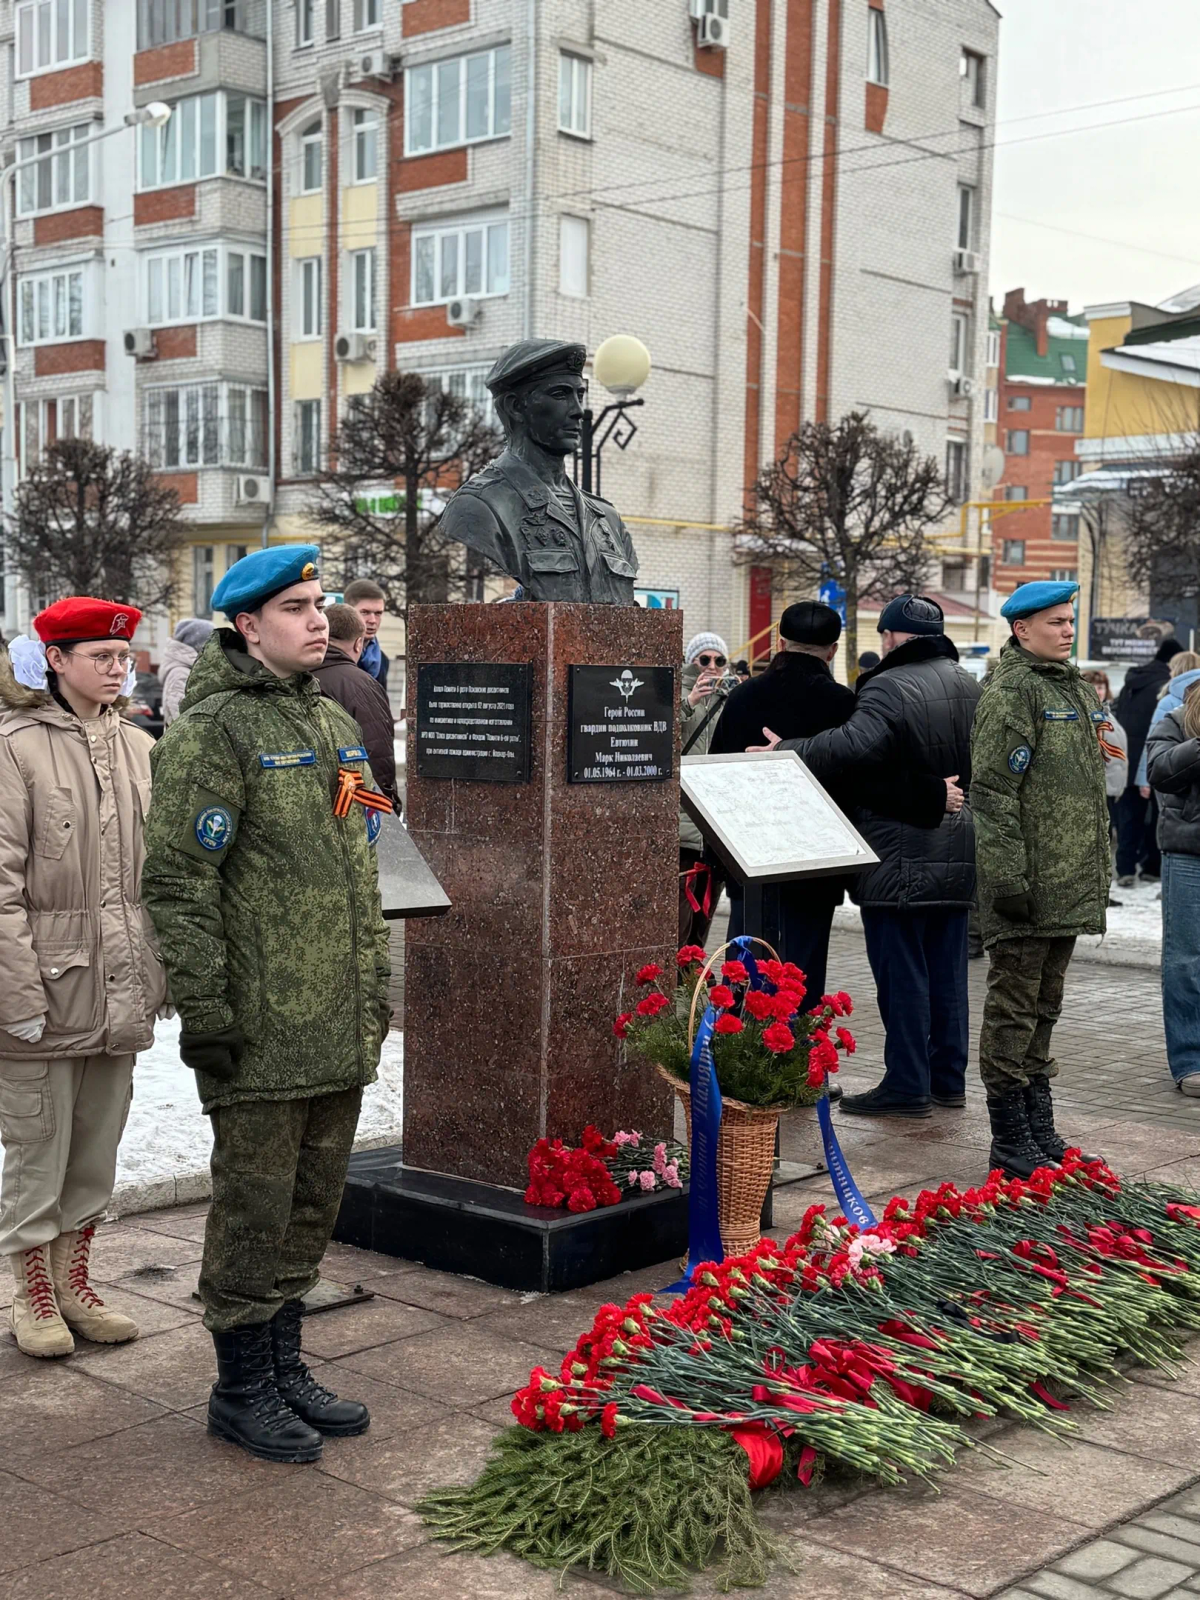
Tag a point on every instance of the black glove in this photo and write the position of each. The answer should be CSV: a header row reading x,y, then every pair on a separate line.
x,y
214,1054
1016,907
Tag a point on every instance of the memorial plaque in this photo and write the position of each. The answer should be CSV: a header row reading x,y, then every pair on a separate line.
x,y
768,818
473,721
622,724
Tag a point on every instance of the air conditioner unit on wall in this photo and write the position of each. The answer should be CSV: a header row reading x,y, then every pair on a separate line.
x,y
354,347
462,313
251,491
372,64
965,387
713,32
139,342
967,261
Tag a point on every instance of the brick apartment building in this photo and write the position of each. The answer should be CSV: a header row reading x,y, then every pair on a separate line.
x,y
1043,384
788,202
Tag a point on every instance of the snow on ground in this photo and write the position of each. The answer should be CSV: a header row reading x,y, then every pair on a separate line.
x,y
164,1153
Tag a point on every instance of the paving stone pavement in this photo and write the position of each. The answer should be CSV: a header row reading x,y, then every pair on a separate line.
x,y
112,1490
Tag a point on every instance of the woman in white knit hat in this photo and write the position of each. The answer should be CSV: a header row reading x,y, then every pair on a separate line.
x,y
706,682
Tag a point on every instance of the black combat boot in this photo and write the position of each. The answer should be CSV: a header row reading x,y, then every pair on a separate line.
x,y
1039,1104
245,1407
318,1406
1014,1149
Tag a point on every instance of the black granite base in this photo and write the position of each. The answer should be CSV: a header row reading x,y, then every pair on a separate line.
x,y
482,1231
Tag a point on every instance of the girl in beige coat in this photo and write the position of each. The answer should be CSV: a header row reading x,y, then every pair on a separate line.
x,y
80,979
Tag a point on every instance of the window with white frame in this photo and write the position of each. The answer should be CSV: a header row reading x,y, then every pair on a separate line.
x,y
60,177
52,306
1012,552
573,257
367,14
308,437
1064,574
956,470
971,68
184,284
333,19
1020,402
966,217
1016,491
362,290
993,347
310,159
877,47
1069,419
50,34
1067,471
306,22
41,422
206,136
458,101
1018,442
459,258
206,425
366,145
468,383
991,405
574,95
958,343
203,574
1064,527
308,292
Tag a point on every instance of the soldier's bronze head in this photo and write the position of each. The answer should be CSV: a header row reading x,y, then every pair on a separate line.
x,y
540,393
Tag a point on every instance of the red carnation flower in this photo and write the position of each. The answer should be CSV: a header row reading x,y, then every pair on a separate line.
x,y
608,1420
652,1004
720,995
690,954
779,1038
582,1199
847,1041
648,973
760,1005
735,972
728,1023
621,1025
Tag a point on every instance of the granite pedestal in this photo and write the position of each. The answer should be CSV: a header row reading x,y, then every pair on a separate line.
x,y
558,892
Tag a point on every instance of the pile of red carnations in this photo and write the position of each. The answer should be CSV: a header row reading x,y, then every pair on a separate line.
x,y
840,1350
600,1171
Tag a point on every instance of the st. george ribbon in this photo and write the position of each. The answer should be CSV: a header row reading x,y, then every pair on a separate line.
x,y
704,1232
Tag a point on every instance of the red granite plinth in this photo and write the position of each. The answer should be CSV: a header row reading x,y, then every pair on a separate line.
x,y
558,891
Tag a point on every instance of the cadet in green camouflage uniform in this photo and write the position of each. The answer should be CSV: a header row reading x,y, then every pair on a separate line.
x,y
1042,858
267,910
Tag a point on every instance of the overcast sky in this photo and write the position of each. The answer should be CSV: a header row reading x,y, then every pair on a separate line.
x,y
1131,183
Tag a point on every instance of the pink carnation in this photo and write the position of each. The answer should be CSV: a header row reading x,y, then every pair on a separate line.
x,y
671,1175
631,1180
647,1180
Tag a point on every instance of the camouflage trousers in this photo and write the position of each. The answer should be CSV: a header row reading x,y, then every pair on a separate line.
x,y
1024,1001
278,1170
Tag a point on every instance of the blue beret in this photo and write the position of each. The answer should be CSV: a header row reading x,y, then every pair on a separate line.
x,y
1039,596
256,578
534,358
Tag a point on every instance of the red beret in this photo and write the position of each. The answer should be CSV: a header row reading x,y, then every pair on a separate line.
x,y
79,618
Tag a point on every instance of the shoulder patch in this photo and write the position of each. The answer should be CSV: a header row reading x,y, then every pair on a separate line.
x,y
1098,715
352,752
1019,758
374,825
213,827
1060,714
288,758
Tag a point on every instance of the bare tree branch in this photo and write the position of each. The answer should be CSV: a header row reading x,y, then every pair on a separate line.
x,y
410,442
95,521
1162,527
849,504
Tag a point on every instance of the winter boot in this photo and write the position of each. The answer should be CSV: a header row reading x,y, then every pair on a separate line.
x,y
1014,1149
311,1401
82,1308
246,1409
1039,1104
35,1317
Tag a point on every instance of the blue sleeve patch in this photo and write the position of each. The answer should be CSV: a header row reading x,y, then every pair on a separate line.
x,y
288,758
214,828
1060,714
352,752
1020,758
374,825
1099,716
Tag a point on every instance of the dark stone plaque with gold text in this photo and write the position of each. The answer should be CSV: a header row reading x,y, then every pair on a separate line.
x,y
621,724
473,721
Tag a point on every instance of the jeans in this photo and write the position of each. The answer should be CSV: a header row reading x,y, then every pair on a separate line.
x,y
919,961
1181,962
1137,825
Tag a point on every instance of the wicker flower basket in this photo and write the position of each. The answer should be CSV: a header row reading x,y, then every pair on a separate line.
x,y
745,1160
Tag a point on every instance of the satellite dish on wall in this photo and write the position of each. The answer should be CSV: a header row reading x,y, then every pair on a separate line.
x,y
992,468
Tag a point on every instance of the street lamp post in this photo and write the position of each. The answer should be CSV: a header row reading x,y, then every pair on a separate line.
x,y
621,365
153,115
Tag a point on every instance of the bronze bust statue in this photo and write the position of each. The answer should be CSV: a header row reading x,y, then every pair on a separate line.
x,y
522,511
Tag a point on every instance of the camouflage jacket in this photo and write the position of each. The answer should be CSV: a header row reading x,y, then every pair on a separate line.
x,y
266,904
1037,791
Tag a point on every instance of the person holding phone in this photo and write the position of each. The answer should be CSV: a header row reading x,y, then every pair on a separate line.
x,y
706,682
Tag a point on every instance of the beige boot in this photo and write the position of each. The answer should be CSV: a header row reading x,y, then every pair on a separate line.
x,y
35,1317
81,1306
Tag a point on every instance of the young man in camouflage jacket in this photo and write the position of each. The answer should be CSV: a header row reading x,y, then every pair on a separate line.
x,y
266,902
1042,857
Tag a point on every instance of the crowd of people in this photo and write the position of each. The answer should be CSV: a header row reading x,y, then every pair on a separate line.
x,y
991,806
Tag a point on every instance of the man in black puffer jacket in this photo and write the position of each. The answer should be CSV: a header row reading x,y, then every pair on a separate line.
x,y
902,765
